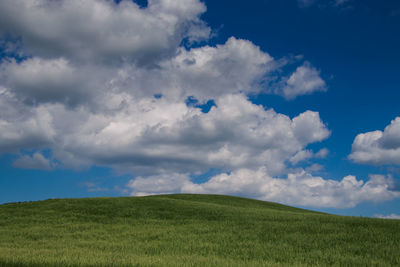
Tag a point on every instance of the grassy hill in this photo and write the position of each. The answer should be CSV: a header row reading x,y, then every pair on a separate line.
x,y
189,230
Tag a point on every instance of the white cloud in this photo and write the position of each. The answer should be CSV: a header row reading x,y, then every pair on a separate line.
x,y
102,30
301,156
152,135
391,216
36,162
391,136
308,128
159,184
72,62
306,154
301,188
37,80
88,96
22,127
208,72
314,168
136,52
377,147
238,66
305,80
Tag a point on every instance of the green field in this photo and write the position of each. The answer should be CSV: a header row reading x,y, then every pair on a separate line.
x,y
189,230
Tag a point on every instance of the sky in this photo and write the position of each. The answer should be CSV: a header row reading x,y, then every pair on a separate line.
x,y
291,101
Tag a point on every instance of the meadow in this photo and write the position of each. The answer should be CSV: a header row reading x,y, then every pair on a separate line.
x,y
189,230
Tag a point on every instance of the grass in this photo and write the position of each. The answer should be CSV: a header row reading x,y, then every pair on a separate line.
x,y
189,230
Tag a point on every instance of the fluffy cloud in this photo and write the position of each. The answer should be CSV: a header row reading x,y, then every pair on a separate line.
x,y
37,80
305,80
299,188
88,96
137,51
22,127
153,135
377,147
208,72
70,28
205,73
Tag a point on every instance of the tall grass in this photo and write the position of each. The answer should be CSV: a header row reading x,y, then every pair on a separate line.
x,y
189,230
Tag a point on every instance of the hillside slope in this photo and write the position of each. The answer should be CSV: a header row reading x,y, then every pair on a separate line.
x,y
188,230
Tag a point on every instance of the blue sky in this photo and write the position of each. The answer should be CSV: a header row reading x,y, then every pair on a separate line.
x,y
117,99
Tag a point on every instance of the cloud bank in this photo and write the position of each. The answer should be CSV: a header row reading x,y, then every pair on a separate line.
x,y
299,188
103,31
103,84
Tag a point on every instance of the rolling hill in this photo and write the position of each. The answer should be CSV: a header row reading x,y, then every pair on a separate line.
x,y
189,230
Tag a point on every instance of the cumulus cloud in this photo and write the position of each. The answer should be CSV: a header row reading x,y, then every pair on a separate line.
x,y
71,28
207,72
153,135
137,51
299,188
88,96
377,147
305,80
35,162
37,80
22,127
